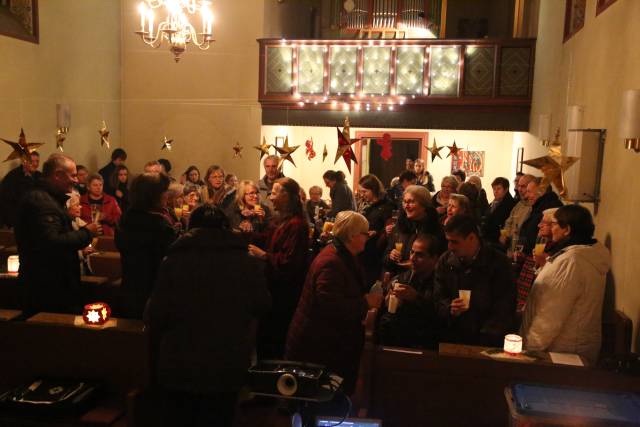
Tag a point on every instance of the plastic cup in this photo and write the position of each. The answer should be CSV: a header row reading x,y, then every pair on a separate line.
x,y
185,208
504,233
327,227
465,295
538,250
178,212
393,304
399,246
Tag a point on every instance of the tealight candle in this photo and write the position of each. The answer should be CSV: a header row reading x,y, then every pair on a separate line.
x,y
13,264
96,313
513,344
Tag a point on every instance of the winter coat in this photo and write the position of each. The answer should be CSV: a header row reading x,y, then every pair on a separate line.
x,y
564,308
48,249
106,173
341,199
327,326
529,229
109,213
12,188
234,214
496,217
493,297
143,239
518,216
426,180
377,214
208,292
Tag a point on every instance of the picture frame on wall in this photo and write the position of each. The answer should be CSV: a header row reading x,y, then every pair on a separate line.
x,y
601,5
19,19
574,17
279,141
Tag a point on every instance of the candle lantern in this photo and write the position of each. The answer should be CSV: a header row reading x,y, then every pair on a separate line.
x,y
96,313
513,344
13,264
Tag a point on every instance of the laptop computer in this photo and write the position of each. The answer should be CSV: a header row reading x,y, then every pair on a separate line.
x,y
322,421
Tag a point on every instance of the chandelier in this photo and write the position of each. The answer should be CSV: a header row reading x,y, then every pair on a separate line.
x,y
176,29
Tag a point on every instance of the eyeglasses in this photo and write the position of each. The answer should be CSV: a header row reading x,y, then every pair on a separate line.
x,y
253,193
408,202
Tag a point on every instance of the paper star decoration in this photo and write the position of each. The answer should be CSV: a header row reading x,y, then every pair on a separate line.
x,y
286,152
325,153
93,316
263,148
344,145
61,135
453,149
237,150
553,166
167,143
435,150
21,149
104,134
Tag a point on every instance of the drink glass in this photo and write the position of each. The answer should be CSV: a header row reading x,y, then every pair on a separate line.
x,y
541,243
95,213
465,295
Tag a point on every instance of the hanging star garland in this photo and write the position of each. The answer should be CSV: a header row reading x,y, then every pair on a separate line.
x,y
21,149
61,136
286,152
104,134
263,148
453,149
310,151
325,153
344,145
167,144
553,166
237,150
435,151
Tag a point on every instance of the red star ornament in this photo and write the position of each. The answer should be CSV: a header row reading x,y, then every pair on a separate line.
x,y
453,150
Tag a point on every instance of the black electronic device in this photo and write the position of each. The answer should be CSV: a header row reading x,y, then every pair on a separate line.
x,y
293,380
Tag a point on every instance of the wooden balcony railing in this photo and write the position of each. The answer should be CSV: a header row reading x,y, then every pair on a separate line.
x,y
378,75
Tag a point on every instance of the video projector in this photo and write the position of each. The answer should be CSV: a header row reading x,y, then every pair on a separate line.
x,y
293,380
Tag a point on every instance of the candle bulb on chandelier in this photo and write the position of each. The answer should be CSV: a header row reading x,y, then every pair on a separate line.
x,y
143,11
151,23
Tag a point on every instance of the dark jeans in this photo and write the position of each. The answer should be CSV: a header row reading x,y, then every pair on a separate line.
x,y
199,410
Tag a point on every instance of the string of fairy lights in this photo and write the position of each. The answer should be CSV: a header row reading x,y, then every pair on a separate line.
x,y
372,75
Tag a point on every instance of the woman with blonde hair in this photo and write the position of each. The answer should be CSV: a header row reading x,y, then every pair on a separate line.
x,y
333,306
247,214
448,186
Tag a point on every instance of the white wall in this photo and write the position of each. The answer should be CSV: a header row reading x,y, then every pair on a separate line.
x,y
498,147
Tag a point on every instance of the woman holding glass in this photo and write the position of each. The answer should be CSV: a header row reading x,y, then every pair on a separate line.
x,y
247,214
215,191
99,207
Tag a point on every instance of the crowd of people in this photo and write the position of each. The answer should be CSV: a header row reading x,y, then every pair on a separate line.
x,y
202,257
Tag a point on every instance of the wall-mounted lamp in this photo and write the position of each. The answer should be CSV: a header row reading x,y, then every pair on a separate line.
x,y
544,129
63,113
630,120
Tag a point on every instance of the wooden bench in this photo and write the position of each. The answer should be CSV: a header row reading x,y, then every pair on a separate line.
x,y
106,264
7,237
106,244
49,345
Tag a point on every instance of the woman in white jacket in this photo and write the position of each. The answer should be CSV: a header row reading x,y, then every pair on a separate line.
x,y
564,310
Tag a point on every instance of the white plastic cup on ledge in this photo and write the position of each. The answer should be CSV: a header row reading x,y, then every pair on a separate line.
x,y
13,264
513,344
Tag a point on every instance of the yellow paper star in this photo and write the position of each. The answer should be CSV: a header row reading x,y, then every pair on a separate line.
x,y
237,150
104,134
167,143
21,149
263,148
286,152
325,153
553,166
435,150
453,149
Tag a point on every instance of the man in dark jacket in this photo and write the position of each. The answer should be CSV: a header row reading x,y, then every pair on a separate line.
x,y
540,199
15,185
118,157
499,210
47,244
414,323
469,265
200,316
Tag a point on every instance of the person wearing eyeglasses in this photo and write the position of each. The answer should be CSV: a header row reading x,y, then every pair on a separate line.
x,y
247,214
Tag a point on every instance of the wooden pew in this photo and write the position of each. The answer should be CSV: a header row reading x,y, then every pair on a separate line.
x,y
49,345
106,244
106,264
7,237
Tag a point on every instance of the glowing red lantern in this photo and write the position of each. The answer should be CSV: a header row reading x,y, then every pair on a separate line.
x,y
96,313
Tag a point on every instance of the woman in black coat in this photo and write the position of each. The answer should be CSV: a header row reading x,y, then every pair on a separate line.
x,y
377,209
143,237
340,193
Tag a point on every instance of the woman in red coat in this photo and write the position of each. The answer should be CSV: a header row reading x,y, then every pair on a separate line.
x,y
97,206
327,327
287,249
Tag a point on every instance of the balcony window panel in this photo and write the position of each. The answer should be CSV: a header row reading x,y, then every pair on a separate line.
x,y
310,69
410,70
515,70
444,72
377,70
343,65
478,71
279,69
